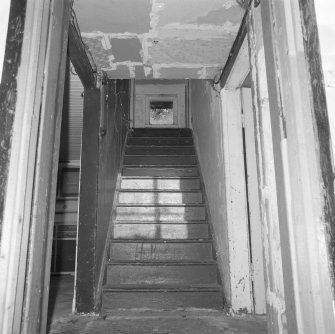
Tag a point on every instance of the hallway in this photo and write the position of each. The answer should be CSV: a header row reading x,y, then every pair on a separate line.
x,y
205,237
188,321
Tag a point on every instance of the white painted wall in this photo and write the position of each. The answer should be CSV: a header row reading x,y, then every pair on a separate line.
x,y
206,122
4,14
236,202
325,10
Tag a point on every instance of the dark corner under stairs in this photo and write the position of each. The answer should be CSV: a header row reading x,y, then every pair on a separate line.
x,y
161,253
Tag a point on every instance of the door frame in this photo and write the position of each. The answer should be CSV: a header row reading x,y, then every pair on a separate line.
x,y
29,198
244,227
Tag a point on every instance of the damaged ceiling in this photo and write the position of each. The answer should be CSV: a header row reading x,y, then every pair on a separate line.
x,y
160,39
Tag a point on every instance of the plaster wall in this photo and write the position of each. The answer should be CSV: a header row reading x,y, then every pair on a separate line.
x,y
207,125
4,14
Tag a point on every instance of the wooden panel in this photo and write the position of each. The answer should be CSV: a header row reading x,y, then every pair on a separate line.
x,y
236,200
114,127
255,219
273,267
86,266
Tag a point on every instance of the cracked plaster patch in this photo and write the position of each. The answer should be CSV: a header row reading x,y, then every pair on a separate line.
x,y
180,43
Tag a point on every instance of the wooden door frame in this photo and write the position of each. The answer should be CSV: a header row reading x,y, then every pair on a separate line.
x,y
295,170
303,161
244,228
294,163
32,168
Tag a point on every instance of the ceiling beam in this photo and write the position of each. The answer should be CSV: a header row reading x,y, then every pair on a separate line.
x,y
234,52
80,57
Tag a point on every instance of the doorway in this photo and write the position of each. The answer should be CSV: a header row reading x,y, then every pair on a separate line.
x,y
160,105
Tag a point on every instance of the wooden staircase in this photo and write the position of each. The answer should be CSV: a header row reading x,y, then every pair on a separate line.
x,y
161,252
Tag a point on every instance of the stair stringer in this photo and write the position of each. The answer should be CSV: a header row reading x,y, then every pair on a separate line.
x,y
102,275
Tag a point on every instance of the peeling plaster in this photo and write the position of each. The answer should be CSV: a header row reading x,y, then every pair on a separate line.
x,y
184,39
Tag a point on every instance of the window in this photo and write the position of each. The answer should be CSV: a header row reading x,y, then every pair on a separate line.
x,y
161,113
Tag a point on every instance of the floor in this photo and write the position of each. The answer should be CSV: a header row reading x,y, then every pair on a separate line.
x,y
61,321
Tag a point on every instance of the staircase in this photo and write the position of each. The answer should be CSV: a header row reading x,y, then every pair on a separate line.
x,y
161,253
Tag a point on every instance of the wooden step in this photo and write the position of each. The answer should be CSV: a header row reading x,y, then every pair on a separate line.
x,y
161,254
181,273
160,183
157,160
168,298
162,213
161,250
167,132
162,141
179,222
160,231
159,197
161,150
160,171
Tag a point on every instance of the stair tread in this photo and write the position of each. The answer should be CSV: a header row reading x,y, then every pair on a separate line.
x,y
162,263
181,222
159,146
190,191
162,241
162,287
140,177
159,205
161,155
161,166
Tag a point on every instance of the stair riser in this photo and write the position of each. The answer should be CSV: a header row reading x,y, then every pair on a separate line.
x,y
182,275
160,213
161,184
159,251
161,141
160,231
161,300
160,171
131,160
161,133
66,205
159,198
138,150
